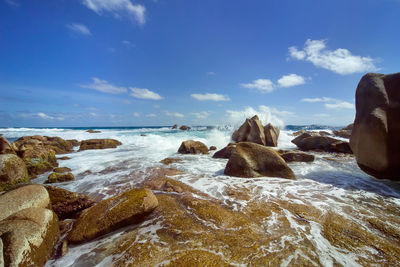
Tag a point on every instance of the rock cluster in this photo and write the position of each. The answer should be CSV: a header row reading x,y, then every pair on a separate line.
x,y
99,144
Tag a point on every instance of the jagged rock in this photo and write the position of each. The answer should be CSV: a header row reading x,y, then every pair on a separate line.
x,y
314,141
68,204
59,178
226,152
375,139
59,145
12,171
5,147
28,237
297,157
184,128
250,131
110,214
253,160
271,135
168,161
22,198
212,148
193,147
93,131
99,144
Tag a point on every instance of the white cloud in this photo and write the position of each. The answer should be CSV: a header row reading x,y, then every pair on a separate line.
x,y
144,93
45,116
318,99
104,86
118,8
201,115
265,113
127,43
340,61
151,115
174,114
261,85
330,103
210,97
136,114
93,114
211,73
340,105
79,28
291,80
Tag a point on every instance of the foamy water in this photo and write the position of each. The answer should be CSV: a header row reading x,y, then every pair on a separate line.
x,y
326,184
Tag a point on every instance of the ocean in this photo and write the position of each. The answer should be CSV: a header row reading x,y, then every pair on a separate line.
x,y
329,183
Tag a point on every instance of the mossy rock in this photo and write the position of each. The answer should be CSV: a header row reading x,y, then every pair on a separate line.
x,y
99,144
198,258
168,161
59,178
12,171
108,215
61,169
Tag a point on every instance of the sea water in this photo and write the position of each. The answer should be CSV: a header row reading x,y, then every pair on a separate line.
x,y
326,183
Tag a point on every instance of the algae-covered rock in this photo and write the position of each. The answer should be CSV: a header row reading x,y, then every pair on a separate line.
x,y
99,144
67,204
198,258
253,160
168,161
110,214
59,178
23,197
61,169
12,171
193,147
39,159
28,237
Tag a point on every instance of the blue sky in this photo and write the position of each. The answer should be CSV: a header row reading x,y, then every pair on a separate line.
x,y
144,63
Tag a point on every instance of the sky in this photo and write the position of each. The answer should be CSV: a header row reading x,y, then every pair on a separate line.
x,y
212,62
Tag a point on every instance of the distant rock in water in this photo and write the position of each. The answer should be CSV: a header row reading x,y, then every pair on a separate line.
x,y
211,148
375,139
99,144
193,147
254,160
175,126
316,142
93,131
251,130
271,135
184,128
345,132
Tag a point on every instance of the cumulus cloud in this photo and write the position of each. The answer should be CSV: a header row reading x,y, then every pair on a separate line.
x,y
261,85
118,8
174,114
79,28
210,97
291,80
201,115
144,93
330,103
340,61
104,86
42,115
340,105
265,113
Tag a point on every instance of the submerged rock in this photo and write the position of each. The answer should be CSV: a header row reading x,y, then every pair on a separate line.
x,y
271,135
99,144
375,139
193,147
253,160
59,178
250,131
12,171
108,215
168,161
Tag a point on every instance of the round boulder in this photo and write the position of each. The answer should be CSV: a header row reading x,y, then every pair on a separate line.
x,y
12,171
193,147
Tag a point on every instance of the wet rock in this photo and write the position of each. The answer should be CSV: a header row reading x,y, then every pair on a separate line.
x,y
12,171
212,148
98,144
59,178
28,237
250,131
68,204
198,258
299,132
345,132
253,160
175,126
93,131
314,141
23,198
184,128
110,214
271,135
168,161
63,158
5,147
226,152
39,160
375,139
297,157
74,142
61,169
59,145
193,147
324,133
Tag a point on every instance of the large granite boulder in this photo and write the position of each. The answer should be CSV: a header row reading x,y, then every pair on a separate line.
x,y
110,214
253,160
22,198
251,130
12,171
67,204
345,132
375,139
271,135
5,147
226,152
316,142
99,144
28,237
193,147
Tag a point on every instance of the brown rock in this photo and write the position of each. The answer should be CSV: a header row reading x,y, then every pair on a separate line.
x,y
345,132
212,148
92,131
314,141
74,142
253,160
297,157
184,128
193,147
12,171
59,178
271,135
168,161
375,139
110,214
61,169
250,131
5,147
67,204
99,144
226,152
299,132
59,145
63,158
175,126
